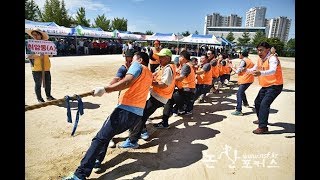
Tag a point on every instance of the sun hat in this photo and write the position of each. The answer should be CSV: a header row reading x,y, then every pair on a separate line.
x,y
45,36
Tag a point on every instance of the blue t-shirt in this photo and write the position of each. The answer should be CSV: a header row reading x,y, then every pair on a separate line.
x,y
135,69
122,71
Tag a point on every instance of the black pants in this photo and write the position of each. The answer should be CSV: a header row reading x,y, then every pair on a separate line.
x,y
153,67
151,106
263,101
37,77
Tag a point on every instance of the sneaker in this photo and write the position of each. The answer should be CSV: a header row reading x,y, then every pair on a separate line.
x,y
144,135
237,113
245,104
97,166
161,126
263,130
174,114
41,100
128,144
71,177
111,144
50,98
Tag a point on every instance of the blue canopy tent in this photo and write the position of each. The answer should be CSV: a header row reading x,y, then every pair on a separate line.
x,y
224,41
49,27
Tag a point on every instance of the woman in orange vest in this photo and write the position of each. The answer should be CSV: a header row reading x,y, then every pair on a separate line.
x,y
154,59
40,63
244,81
269,73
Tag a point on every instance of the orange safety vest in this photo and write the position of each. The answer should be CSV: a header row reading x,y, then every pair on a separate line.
x,y
190,80
205,78
243,77
167,91
269,80
178,83
136,94
224,69
215,71
154,51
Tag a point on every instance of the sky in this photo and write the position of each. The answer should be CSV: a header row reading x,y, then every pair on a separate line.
x,y
176,16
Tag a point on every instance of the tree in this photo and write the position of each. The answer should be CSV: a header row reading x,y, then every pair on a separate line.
x,y
278,44
119,24
56,12
80,18
258,37
290,48
291,44
186,33
32,11
102,22
149,32
230,37
244,41
196,32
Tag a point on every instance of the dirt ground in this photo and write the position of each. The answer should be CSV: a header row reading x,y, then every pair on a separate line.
x,y
210,144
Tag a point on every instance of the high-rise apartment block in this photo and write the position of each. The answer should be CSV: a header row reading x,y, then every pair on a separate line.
x,y
216,20
279,28
255,17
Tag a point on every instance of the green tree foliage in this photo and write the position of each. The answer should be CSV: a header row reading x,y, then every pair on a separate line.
x,y
278,44
32,11
102,22
244,40
56,12
258,37
149,32
291,44
80,18
119,24
186,33
290,48
196,32
230,37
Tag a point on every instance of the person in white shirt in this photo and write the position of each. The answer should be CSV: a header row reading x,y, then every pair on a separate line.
x,y
269,73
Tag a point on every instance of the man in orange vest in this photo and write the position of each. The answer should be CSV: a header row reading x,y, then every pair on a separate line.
x,y
154,59
162,89
127,115
244,81
269,73
184,97
204,79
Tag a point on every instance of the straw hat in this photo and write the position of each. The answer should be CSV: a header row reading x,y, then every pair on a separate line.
x,y
45,36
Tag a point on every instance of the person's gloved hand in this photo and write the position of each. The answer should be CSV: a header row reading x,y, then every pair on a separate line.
x,y
99,91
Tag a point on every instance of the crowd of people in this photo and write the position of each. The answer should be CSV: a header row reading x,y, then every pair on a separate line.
x,y
174,84
176,87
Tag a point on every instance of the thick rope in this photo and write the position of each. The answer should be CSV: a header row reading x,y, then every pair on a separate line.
x,y
55,102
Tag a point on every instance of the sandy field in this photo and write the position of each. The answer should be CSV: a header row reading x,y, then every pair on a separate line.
x,y
210,144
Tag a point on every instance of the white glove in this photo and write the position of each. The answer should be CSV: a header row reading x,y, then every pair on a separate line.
x,y
99,91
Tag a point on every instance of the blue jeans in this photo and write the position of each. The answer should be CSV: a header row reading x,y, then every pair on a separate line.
x,y
263,101
241,96
119,121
